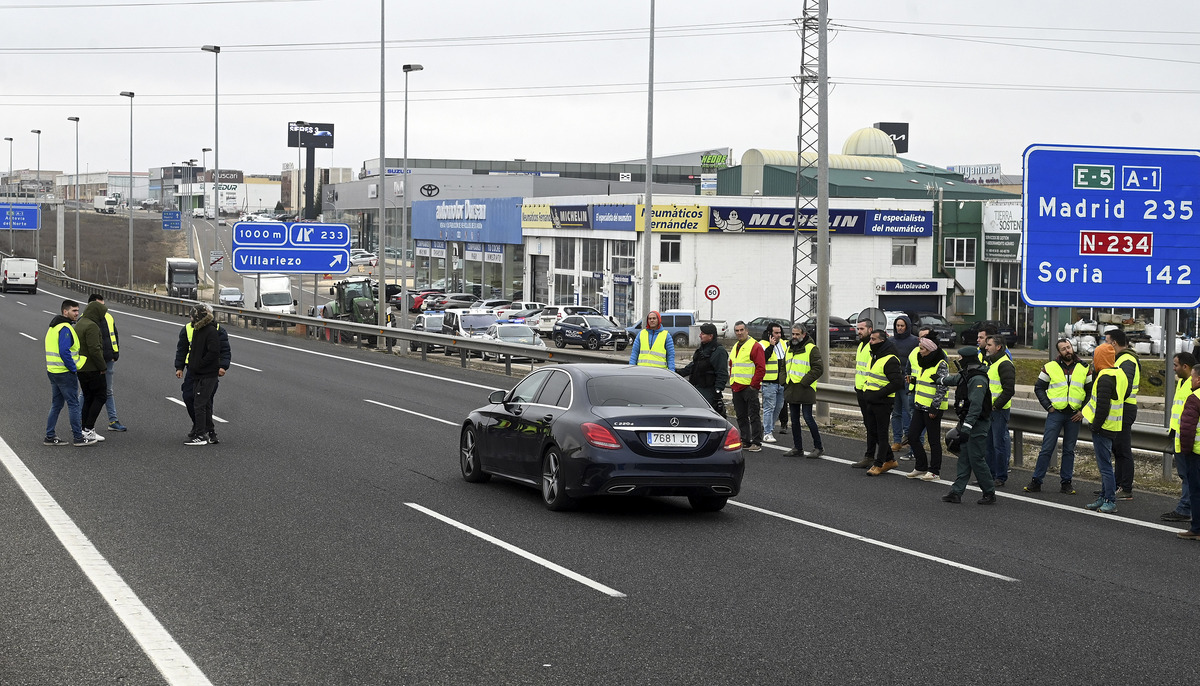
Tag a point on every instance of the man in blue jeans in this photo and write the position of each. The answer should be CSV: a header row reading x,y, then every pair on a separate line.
x,y
1184,363
1061,388
1002,381
62,366
775,378
1185,444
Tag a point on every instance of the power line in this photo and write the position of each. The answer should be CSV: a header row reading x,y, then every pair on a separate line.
x,y
974,85
181,3
891,22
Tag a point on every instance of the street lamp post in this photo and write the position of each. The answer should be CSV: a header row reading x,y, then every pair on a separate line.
x,y
381,311
77,265
129,197
216,53
404,223
204,168
8,192
37,242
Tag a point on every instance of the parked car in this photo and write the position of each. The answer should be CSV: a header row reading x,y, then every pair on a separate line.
x,y
431,322
529,317
721,324
677,322
362,257
841,332
943,333
971,334
466,323
551,314
591,331
518,305
578,430
452,300
519,334
231,296
757,325
489,304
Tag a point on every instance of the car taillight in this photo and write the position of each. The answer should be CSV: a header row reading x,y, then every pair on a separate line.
x,y
599,436
833,329
733,439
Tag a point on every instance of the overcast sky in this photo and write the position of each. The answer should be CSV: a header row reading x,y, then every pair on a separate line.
x,y
563,80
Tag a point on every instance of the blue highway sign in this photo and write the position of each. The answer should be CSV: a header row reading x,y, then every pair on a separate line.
x,y
291,248
172,220
1112,227
20,217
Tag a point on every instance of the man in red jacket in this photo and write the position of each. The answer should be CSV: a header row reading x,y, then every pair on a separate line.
x,y
1188,447
747,366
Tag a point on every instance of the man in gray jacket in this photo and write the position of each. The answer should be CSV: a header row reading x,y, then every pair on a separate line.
x,y
805,366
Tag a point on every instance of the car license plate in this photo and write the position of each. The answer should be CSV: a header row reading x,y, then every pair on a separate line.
x,y
672,440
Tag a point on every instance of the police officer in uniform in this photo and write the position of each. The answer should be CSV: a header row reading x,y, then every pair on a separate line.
x,y
973,404
708,371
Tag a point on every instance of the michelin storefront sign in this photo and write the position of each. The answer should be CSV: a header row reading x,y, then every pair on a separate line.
x,y
916,223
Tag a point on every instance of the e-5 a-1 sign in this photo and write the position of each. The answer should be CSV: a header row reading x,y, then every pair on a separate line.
x,y
1111,227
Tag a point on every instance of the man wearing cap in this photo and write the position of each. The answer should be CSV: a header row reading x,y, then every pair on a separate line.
x,y
182,368
973,404
204,355
708,371
1104,413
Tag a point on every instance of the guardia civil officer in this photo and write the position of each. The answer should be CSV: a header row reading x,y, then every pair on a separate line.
x,y
973,404
708,371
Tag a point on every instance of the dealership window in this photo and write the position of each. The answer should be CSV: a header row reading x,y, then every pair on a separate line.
x,y
669,247
904,252
592,254
960,252
623,257
668,296
564,289
564,253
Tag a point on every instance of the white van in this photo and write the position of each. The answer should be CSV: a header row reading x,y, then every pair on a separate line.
x,y
20,273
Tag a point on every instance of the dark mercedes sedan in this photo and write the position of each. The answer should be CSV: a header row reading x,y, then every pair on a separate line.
x,y
574,431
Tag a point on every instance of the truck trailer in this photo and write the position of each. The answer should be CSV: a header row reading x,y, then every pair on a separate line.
x,y
104,204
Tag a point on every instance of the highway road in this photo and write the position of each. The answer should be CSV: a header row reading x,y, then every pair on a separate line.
x,y
329,539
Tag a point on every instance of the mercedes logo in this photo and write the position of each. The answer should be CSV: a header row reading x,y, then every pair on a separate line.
x,y
429,190
674,421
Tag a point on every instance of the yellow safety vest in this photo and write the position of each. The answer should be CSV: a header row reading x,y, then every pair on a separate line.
x,y
652,355
799,364
913,363
112,331
1196,445
926,389
1117,410
54,363
741,365
772,374
1066,392
1131,399
993,374
1177,403
190,329
862,365
876,379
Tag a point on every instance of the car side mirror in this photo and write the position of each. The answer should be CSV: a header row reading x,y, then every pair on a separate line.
x,y
497,396
331,292
295,302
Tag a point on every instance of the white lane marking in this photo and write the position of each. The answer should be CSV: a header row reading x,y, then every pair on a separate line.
x,y
872,541
401,409
179,402
243,366
167,655
22,304
145,339
3,296
27,336
523,553
52,314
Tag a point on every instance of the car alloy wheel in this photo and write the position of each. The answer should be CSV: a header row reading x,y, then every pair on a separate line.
x,y
468,457
554,494
560,341
681,340
593,343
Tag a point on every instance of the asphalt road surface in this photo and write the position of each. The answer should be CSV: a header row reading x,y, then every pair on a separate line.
x,y
329,539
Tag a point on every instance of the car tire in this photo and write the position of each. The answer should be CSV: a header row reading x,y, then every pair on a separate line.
x,y
592,343
621,346
707,503
554,493
681,340
468,457
560,341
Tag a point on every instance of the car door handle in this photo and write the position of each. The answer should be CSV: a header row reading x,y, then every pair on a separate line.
x,y
547,419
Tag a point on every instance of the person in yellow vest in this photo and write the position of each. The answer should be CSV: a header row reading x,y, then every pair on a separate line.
x,y
885,378
805,365
1184,364
1103,413
1002,382
1190,449
1061,388
929,403
653,347
1127,362
862,365
110,342
63,361
747,365
775,379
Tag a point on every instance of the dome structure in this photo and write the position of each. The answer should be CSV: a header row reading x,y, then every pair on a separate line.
x,y
869,141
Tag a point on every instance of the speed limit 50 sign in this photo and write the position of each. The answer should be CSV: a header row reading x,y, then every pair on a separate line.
x,y
712,292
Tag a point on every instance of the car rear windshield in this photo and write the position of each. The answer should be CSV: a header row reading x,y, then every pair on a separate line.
x,y
638,390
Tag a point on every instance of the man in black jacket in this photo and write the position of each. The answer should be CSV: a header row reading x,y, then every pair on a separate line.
x,y
708,371
181,359
885,378
1122,452
203,360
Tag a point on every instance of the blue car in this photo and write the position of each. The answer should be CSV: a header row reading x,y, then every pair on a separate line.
x,y
591,331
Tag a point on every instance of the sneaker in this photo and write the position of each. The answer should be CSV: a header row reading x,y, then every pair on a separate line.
x,y
864,463
1123,494
115,425
1034,486
754,448
196,440
1108,507
888,466
1067,488
54,440
814,454
952,497
212,439
1096,505
91,433
768,439
987,499
929,476
85,441
1189,535
1174,516
914,474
